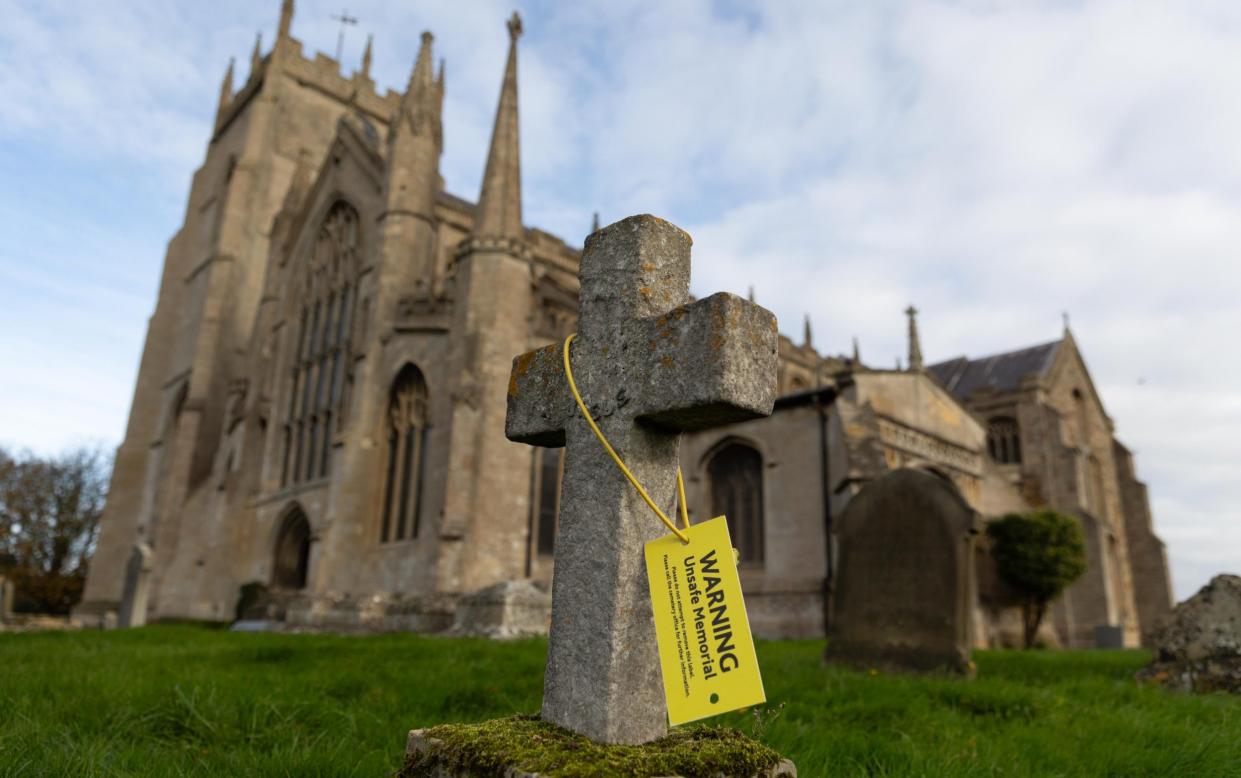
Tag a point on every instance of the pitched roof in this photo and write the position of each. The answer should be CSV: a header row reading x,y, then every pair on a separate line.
x,y
963,376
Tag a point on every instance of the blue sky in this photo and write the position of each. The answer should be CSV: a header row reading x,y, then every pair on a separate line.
x,y
995,163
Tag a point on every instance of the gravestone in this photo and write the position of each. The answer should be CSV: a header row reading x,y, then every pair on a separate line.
x,y
650,364
133,612
7,593
1199,648
509,609
905,588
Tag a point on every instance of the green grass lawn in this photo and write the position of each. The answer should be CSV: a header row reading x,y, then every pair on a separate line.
x,y
192,701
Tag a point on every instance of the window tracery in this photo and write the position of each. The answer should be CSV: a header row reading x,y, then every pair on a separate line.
x,y
321,373
407,435
1004,440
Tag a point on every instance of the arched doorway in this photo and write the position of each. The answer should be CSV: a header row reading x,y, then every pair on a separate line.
x,y
735,472
292,552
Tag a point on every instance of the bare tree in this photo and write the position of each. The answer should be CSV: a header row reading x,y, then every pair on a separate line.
x,y
49,522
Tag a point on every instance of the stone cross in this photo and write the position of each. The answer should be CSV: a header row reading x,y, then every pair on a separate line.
x,y
650,364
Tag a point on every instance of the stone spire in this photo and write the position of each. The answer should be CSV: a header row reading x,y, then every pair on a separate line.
x,y
415,142
422,103
915,346
286,18
226,87
807,337
857,352
420,78
750,294
256,56
594,222
366,57
499,205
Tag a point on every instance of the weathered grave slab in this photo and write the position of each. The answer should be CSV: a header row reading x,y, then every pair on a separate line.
x,y
509,609
1200,647
905,589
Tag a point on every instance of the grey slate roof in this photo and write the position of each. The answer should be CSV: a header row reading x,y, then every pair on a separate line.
x,y
963,376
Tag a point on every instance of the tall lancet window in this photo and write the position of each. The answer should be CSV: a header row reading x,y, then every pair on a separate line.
x,y
736,476
547,472
323,310
407,432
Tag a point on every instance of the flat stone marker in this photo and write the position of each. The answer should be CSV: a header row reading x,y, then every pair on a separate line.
x,y
133,612
905,588
650,364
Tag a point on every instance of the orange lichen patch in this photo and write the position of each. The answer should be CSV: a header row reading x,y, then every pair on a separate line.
x,y
667,361
645,291
521,366
648,267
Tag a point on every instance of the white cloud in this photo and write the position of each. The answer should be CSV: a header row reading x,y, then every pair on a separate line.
x,y
995,163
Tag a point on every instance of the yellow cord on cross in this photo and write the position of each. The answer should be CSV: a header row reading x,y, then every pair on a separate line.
x,y
568,372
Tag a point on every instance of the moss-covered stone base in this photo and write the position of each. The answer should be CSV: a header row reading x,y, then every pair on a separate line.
x,y
526,747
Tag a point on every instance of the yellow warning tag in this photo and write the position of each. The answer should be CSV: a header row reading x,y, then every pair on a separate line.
x,y
706,651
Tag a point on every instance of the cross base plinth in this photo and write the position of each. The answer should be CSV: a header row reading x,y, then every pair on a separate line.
x,y
524,747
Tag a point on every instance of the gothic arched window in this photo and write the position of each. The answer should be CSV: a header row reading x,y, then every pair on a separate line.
x,y
407,432
292,555
1004,440
736,475
321,364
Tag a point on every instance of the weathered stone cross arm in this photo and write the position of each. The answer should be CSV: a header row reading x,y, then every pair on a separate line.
x,y
698,365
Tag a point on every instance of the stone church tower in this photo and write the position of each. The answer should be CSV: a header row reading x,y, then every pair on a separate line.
x,y
320,402
320,405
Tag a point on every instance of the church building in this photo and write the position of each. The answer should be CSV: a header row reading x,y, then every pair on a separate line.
x,y
320,404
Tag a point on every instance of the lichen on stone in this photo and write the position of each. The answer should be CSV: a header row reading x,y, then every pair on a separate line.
x,y
535,746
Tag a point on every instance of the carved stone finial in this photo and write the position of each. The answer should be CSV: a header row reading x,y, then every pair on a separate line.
x,y
514,26
915,343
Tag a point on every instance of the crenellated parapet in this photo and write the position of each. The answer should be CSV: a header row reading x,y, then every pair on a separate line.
x,y
322,74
